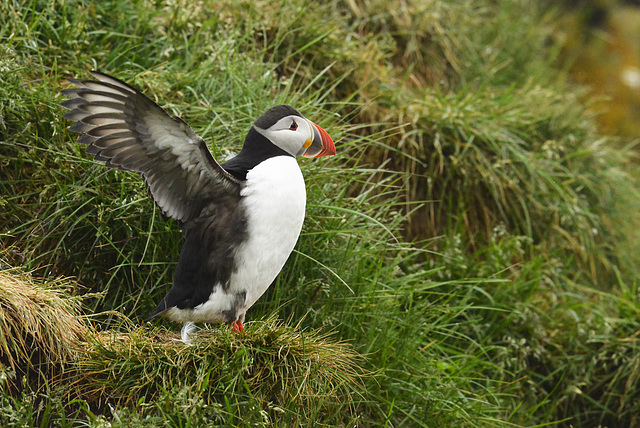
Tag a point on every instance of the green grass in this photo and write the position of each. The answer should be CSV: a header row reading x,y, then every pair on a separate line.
x,y
468,259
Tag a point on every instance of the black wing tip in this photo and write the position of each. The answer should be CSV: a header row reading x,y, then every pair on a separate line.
x,y
71,103
100,78
94,73
153,316
78,126
74,81
105,78
159,310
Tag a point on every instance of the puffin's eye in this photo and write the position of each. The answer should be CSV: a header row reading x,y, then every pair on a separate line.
x,y
293,126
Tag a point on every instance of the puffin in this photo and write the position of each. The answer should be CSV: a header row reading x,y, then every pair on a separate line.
x,y
240,219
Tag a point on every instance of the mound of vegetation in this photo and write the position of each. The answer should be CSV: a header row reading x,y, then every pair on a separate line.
x,y
258,376
39,328
475,242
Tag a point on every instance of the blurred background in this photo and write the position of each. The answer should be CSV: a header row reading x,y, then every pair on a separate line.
x,y
602,41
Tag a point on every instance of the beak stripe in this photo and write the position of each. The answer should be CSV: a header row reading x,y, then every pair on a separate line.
x,y
328,148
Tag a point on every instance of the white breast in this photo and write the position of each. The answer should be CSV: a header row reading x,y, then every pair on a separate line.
x,y
274,199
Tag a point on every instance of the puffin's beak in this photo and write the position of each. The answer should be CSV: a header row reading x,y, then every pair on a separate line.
x,y
320,145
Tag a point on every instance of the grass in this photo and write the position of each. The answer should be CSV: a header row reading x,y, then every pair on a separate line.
x,y
262,375
267,373
38,323
469,259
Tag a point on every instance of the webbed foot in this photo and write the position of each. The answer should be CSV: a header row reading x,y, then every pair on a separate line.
x,y
237,326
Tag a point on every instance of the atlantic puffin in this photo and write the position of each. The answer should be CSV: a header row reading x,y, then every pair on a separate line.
x,y
240,219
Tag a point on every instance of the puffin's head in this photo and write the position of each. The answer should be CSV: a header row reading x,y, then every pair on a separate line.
x,y
286,128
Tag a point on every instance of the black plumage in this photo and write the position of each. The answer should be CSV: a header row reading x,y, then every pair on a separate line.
x,y
256,149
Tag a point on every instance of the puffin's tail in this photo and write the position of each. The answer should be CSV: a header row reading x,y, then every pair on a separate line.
x,y
159,310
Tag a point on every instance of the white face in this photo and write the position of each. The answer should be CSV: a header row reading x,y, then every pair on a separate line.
x,y
292,134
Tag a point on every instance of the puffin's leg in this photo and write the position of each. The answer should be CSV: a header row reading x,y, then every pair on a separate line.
x,y
237,326
188,332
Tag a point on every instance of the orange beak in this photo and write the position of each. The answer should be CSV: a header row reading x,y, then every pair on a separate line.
x,y
321,144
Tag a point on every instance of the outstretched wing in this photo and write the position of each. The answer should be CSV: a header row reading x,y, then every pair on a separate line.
x,y
128,131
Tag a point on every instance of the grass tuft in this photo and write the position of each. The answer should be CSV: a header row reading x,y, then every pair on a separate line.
x,y
39,323
270,364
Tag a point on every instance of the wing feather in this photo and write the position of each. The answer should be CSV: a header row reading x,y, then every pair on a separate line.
x,y
127,130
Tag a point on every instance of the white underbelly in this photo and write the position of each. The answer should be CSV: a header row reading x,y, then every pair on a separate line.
x,y
274,199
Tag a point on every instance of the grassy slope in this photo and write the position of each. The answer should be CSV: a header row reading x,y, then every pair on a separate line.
x,y
519,306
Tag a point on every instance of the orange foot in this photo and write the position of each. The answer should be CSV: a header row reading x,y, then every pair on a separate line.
x,y
237,327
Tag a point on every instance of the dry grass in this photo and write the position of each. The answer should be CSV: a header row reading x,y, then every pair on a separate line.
x,y
38,322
